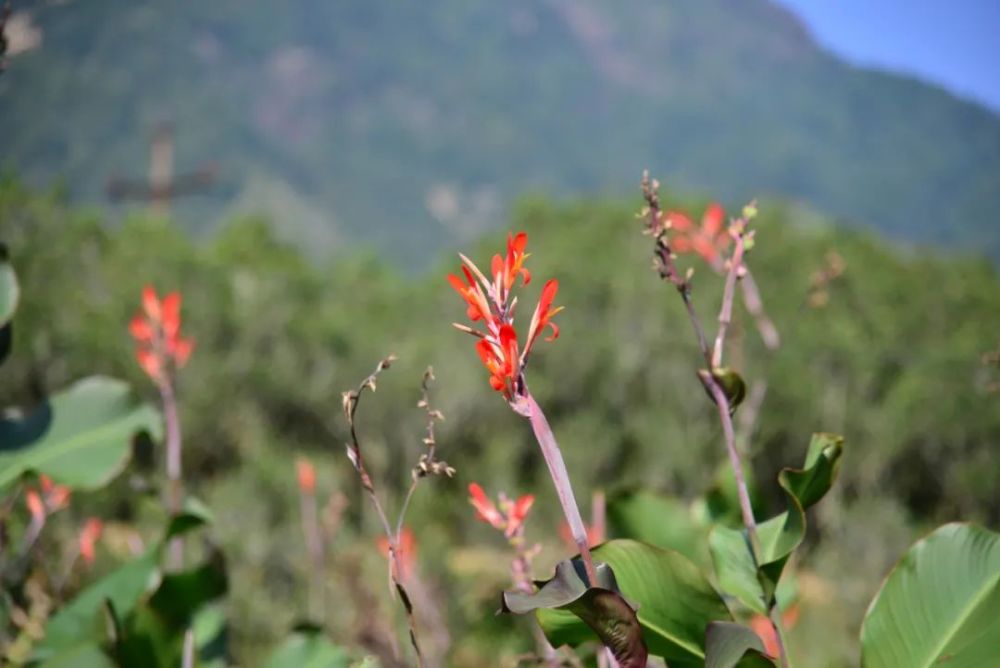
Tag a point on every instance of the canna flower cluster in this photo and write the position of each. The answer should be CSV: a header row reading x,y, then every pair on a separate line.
x,y
46,500
507,516
489,301
709,240
156,330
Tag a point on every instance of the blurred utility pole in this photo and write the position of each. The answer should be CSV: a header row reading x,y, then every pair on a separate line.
x,y
162,186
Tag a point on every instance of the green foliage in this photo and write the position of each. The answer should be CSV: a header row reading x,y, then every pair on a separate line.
x,y
939,605
754,580
9,290
728,645
278,339
137,614
308,648
81,437
674,601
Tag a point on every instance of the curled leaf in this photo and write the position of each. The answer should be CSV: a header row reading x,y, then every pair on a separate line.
x,y
601,607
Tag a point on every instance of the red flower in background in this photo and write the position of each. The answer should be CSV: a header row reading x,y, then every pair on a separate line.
x,y
156,330
50,498
595,536
762,626
489,301
407,556
89,536
509,517
709,240
306,473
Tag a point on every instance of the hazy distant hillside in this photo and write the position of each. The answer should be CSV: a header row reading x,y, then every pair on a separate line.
x,y
412,124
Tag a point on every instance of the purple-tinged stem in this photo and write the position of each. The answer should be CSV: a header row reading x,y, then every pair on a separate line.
x,y
726,312
175,491
560,478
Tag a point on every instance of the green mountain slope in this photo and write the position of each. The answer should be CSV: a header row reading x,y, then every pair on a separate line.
x,y
412,124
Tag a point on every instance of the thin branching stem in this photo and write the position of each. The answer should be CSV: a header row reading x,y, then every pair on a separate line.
x,y
175,482
351,401
657,226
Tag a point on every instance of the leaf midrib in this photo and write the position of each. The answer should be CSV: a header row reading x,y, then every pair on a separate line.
x,y
966,611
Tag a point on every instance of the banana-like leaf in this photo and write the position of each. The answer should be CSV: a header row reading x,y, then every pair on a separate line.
x,y
81,437
754,581
675,602
728,645
659,520
940,605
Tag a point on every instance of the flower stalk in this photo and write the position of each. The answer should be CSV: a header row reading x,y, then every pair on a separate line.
x,y
490,301
658,225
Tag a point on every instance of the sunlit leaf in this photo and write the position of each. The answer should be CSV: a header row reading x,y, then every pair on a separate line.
x,y
940,605
754,582
80,438
675,601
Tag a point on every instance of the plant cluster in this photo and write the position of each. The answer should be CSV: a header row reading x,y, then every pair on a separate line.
x,y
708,583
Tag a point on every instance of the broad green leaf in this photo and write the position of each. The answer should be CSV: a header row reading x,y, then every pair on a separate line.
x,y
735,568
154,634
80,438
659,520
728,644
940,605
81,621
81,656
9,289
308,649
675,601
752,581
599,605
804,487
84,620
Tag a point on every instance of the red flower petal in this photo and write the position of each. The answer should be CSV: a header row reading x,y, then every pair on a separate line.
x,y
140,329
714,218
170,313
151,303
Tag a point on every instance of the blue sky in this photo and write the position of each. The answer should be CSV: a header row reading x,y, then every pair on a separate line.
x,y
952,43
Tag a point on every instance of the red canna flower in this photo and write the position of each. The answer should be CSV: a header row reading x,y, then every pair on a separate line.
x,y
510,515
708,240
156,330
89,536
306,474
489,300
506,270
48,499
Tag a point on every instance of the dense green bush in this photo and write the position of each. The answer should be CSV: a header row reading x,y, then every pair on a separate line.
x,y
892,361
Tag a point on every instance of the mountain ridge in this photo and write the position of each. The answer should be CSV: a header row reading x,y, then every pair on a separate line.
x,y
415,126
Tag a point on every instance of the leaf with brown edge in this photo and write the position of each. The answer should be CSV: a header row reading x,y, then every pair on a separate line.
x,y
601,607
